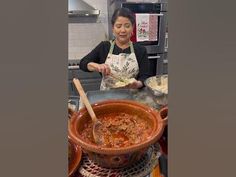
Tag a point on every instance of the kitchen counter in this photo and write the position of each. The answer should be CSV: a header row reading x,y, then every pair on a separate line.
x,y
140,95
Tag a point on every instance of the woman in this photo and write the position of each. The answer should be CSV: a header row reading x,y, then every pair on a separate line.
x,y
119,58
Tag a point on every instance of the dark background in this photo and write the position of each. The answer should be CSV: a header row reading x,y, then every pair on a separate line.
x,y
33,96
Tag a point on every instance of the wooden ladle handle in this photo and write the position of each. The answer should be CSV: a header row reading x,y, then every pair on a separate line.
x,y
85,99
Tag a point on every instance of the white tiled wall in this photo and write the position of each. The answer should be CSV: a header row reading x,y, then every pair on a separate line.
x,y
83,37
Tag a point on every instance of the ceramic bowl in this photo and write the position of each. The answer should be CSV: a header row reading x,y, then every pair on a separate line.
x,y
75,153
122,156
158,92
163,141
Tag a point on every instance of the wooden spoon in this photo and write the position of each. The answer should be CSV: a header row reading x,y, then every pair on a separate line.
x,y
97,125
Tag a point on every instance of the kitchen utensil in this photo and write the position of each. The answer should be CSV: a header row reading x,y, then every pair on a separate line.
x,y
97,125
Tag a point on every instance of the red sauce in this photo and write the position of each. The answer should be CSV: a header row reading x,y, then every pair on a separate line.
x,y
121,130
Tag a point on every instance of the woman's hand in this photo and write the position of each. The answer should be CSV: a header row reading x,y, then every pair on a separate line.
x,y
134,85
102,68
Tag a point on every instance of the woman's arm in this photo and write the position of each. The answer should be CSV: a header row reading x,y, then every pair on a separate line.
x,y
96,56
135,85
143,62
102,68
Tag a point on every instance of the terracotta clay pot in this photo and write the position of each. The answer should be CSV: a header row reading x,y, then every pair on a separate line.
x,y
75,156
122,156
163,141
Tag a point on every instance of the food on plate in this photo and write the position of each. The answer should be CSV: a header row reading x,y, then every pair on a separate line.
x,y
121,129
124,82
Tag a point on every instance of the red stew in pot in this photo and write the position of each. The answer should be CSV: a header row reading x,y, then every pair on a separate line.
x,y
121,130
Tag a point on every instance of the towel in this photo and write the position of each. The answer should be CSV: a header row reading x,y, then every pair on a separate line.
x,y
146,27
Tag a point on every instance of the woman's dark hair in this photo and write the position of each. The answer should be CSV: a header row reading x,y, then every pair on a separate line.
x,y
123,12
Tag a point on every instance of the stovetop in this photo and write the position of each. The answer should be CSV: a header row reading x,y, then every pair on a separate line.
x,y
73,63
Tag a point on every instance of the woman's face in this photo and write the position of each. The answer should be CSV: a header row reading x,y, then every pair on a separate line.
x,y
122,29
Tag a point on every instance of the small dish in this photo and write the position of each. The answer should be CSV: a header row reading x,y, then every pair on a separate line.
x,y
75,153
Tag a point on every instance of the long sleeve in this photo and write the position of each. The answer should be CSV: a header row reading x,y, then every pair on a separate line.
x,y
143,62
97,55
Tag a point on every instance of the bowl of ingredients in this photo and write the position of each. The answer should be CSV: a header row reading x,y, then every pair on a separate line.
x,y
158,88
131,127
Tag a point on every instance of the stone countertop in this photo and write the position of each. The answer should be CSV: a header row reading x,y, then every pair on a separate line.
x,y
140,95
146,97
